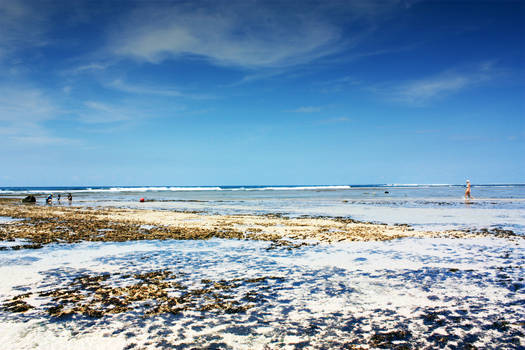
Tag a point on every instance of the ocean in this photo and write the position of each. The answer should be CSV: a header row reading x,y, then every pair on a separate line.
x,y
432,207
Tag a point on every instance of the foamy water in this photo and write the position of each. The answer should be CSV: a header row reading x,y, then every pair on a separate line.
x,y
440,292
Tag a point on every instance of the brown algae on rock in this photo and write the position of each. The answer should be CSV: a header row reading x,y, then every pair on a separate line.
x,y
150,293
59,224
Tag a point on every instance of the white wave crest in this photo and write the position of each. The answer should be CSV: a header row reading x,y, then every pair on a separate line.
x,y
152,189
291,188
111,189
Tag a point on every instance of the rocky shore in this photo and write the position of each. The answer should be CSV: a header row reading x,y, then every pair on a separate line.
x,y
150,293
405,294
60,224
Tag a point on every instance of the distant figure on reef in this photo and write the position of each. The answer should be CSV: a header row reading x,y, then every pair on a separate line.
x,y
49,199
467,191
69,197
58,197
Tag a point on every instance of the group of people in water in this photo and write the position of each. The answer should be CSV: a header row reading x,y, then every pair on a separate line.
x,y
49,199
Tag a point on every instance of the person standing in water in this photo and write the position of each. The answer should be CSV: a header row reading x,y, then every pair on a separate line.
x,y
467,191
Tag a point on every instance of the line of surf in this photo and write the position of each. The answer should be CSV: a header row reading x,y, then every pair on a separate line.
x,y
123,189
172,189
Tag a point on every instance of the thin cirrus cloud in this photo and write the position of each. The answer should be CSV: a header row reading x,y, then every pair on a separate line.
x,y
24,103
121,85
335,120
241,35
23,112
426,90
20,26
102,113
45,140
306,109
120,114
90,67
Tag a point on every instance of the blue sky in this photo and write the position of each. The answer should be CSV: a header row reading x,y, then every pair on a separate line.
x,y
261,92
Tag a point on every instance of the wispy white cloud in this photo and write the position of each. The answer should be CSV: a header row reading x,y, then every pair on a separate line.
x,y
426,90
243,34
22,24
103,113
238,35
306,109
332,85
118,115
24,111
124,86
90,67
121,85
44,140
422,91
29,116
260,74
122,113
335,120
338,84
24,104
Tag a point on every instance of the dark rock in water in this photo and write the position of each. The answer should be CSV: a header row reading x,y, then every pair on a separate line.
x,y
387,192
500,325
391,340
16,306
29,199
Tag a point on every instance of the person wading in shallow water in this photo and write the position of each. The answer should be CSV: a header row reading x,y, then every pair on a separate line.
x,y
467,191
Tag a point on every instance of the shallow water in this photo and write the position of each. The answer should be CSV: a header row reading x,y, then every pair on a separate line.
x,y
7,220
414,292
436,207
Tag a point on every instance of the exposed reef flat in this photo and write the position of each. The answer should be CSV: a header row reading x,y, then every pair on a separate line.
x,y
411,293
154,279
150,293
68,224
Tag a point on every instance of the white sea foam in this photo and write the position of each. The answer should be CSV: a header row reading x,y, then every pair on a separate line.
x,y
330,295
419,185
292,188
173,189
112,190
151,189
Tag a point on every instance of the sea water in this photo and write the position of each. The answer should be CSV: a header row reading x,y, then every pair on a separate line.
x,y
432,207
